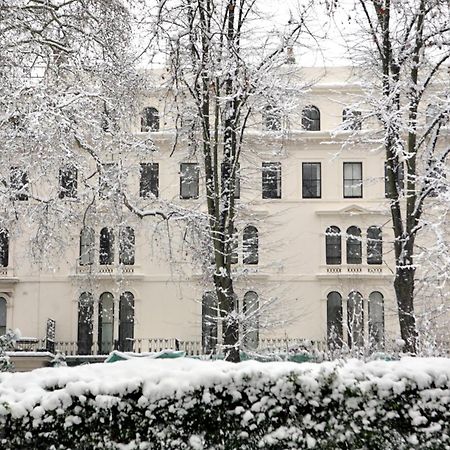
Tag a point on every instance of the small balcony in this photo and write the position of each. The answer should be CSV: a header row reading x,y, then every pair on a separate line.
x,y
108,271
7,275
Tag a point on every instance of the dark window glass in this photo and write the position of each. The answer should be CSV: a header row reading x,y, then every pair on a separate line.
x,y
311,118
333,245
376,320
87,246
106,323
189,180
3,305
126,246
150,119
20,188
352,180
334,320
149,182
355,320
237,180
109,180
354,247
250,326
4,247
68,182
271,180
85,323
126,322
272,119
250,245
399,179
106,246
311,180
209,322
374,245
351,119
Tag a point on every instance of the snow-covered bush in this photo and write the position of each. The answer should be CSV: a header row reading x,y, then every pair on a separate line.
x,y
186,404
7,342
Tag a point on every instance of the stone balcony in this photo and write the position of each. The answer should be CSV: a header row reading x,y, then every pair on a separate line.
x,y
108,271
355,270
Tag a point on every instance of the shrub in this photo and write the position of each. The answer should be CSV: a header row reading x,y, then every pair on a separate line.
x,y
186,404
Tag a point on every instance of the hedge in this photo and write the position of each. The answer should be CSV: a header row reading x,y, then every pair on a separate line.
x,y
187,404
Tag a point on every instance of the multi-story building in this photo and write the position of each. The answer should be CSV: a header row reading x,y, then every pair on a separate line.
x,y
314,252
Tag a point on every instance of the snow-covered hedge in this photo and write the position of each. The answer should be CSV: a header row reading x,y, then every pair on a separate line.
x,y
187,404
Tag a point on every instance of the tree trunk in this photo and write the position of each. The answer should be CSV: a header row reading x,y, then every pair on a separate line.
x,y
404,291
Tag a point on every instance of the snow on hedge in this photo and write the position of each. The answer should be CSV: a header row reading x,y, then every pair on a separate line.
x,y
189,404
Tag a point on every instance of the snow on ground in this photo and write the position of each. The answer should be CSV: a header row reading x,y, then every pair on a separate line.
x,y
52,388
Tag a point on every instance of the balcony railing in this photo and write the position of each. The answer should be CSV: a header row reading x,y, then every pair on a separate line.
x,y
98,269
6,272
354,269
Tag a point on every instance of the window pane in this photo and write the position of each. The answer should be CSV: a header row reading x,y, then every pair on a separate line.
x,y
271,180
250,245
87,246
126,246
209,322
126,322
85,323
251,320
4,247
311,180
374,245
106,323
333,245
272,119
68,182
355,320
149,181
352,180
334,320
150,120
376,320
354,247
106,246
19,184
109,180
189,180
311,118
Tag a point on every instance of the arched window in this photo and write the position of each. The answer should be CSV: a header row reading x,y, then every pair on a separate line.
x,y
351,119
106,323
150,119
376,320
333,245
4,247
272,119
126,246
250,245
251,320
334,320
374,245
311,118
106,246
355,319
85,323
209,322
2,316
126,322
87,246
354,247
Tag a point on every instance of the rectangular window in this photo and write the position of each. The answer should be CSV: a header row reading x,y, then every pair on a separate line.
x,y
109,181
19,184
400,177
189,180
149,182
311,180
237,180
352,180
68,182
271,180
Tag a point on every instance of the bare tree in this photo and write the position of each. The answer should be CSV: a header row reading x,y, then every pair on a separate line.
x,y
222,79
403,49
